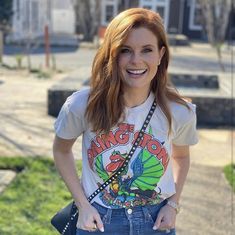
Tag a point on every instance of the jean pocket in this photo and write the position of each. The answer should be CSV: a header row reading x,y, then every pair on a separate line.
x,y
153,210
148,216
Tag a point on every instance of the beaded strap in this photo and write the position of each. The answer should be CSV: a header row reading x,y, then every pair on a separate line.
x,y
121,169
125,163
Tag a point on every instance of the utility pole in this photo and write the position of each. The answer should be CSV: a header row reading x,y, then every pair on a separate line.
x,y
47,46
46,36
1,46
29,34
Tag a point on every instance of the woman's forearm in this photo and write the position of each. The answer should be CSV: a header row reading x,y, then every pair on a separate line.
x,y
66,167
180,171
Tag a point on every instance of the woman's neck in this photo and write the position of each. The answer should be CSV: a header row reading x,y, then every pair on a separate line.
x,y
135,98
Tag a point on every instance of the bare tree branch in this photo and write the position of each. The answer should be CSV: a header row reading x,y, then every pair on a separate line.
x,y
88,16
215,14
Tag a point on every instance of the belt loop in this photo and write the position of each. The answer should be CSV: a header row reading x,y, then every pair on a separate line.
x,y
147,215
108,216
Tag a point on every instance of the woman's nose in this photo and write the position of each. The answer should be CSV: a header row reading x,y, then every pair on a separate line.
x,y
135,58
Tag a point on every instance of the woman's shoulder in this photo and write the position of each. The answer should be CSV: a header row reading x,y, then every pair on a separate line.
x,y
77,102
182,113
184,122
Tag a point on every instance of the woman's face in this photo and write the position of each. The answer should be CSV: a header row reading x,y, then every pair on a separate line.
x,y
138,59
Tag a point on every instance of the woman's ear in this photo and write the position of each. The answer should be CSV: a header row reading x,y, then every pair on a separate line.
x,y
162,52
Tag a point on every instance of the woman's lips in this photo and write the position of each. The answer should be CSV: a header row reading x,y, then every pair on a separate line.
x,y
136,71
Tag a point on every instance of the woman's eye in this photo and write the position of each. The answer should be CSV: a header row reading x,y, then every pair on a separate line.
x,y
146,50
125,50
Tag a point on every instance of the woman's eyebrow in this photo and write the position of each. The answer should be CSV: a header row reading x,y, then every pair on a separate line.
x,y
147,45
126,46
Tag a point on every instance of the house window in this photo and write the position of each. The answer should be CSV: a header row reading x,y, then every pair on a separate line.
x,y
160,6
109,10
195,16
161,11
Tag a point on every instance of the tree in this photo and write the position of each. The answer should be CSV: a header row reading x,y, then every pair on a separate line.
x,y
215,16
88,17
5,16
88,14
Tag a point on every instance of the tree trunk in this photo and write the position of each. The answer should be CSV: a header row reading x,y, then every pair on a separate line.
x,y
219,55
28,52
88,15
215,14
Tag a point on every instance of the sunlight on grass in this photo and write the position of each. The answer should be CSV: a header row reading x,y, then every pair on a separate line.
x,y
229,172
32,198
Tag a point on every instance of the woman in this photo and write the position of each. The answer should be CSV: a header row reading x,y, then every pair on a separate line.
x,y
129,72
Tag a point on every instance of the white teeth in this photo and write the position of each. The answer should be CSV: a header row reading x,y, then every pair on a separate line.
x,y
136,71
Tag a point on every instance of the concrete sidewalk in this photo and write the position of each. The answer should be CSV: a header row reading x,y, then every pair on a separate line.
x,y
27,130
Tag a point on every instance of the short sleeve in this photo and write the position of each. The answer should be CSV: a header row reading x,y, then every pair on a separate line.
x,y
186,133
68,125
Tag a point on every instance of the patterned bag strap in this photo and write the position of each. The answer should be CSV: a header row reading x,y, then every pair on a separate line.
x,y
130,154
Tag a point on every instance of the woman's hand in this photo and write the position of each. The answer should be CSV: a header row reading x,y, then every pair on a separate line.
x,y
89,219
166,218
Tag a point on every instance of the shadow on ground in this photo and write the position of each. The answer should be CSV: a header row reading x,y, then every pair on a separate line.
x,y
16,50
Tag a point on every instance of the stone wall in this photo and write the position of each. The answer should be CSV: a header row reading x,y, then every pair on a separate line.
x,y
211,111
195,81
55,100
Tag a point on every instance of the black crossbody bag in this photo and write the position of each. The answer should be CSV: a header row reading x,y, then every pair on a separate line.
x,y
65,220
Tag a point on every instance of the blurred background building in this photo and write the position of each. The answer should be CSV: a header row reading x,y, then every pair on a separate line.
x,y
30,17
87,18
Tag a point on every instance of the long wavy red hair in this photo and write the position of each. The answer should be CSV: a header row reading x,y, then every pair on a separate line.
x,y
106,102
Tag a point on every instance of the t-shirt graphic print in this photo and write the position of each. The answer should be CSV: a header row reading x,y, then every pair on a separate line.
x,y
149,175
137,184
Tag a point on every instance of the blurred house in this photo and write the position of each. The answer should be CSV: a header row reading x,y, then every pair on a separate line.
x,y
180,16
32,16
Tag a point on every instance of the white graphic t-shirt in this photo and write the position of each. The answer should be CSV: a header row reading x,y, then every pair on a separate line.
x,y
148,178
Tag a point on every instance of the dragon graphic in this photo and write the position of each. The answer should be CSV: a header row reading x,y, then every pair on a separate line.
x,y
135,187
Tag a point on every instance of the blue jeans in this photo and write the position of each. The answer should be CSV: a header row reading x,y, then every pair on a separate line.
x,y
137,221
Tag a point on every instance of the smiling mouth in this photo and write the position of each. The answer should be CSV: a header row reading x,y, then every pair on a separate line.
x,y
136,71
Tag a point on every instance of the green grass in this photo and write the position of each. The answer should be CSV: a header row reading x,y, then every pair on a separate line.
x,y
33,197
229,172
